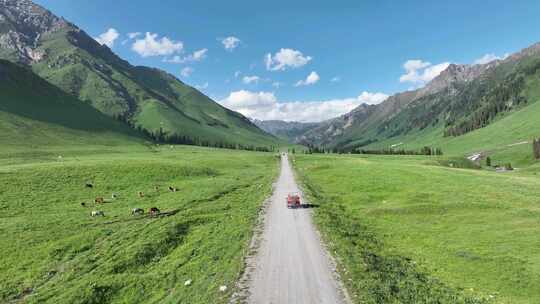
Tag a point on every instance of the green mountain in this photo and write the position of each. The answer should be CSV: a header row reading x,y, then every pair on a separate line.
x,y
149,98
466,109
33,112
290,131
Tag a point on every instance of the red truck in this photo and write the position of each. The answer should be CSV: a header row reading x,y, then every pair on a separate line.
x,y
293,200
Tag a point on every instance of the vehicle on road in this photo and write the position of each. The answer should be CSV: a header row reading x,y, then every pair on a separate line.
x,y
293,200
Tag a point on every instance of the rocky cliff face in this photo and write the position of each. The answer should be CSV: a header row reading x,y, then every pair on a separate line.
x,y
455,73
529,51
22,24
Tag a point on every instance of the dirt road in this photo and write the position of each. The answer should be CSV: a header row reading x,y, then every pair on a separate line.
x,y
291,266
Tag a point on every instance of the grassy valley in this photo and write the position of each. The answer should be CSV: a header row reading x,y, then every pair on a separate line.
x,y
79,154
63,255
53,145
407,230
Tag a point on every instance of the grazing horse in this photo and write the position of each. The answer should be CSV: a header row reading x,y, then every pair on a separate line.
x,y
172,189
97,213
153,211
89,185
99,200
137,211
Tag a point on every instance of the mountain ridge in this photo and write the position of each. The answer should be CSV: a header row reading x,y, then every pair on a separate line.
x,y
67,57
440,101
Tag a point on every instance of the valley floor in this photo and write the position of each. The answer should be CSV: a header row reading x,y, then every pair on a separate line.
x,y
53,250
404,229
408,230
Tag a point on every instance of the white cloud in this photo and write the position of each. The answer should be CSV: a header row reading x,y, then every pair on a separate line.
x,y
372,98
434,71
237,73
265,106
487,58
131,36
230,43
196,56
108,37
134,35
312,78
174,59
250,79
202,86
187,71
285,58
152,45
335,79
421,72
277,84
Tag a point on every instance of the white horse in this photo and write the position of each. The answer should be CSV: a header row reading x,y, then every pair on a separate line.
x,y
137,211
97,213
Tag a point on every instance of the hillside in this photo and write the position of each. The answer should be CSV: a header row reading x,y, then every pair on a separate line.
x,y
288,130
33,113
464,102
149,98
346,128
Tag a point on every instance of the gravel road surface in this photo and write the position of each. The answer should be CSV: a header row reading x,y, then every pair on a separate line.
x,y
291,265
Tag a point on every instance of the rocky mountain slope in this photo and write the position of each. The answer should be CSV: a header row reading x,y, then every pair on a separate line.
x,y
148,98
461,99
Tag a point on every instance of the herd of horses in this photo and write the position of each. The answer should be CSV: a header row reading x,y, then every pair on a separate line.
x,y
152,211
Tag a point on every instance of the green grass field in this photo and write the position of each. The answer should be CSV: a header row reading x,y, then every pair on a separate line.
x,y
53,251
410,231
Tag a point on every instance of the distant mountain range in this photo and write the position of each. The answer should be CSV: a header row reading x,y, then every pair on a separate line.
x,y
451,108
366,117
288,130
64,55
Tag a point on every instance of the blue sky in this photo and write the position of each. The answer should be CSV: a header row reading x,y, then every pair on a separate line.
x,y
351,50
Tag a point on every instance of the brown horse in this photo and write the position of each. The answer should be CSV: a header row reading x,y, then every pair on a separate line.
x,y
153,211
